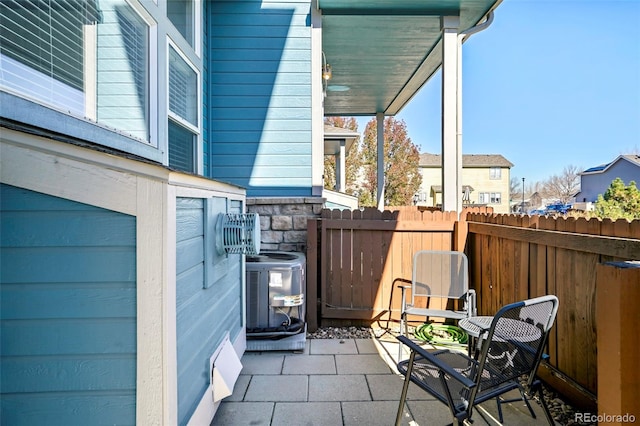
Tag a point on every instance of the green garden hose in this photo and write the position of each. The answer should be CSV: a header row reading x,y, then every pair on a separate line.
x,y
441,334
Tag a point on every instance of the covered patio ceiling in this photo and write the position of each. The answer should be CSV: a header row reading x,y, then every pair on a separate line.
x,y
383,51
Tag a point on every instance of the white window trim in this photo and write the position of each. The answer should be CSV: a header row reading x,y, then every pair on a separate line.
x,y
174,116
199,151
197,27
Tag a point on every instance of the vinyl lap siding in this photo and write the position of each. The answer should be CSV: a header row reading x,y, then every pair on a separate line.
x,y
68,312
204,315
259,73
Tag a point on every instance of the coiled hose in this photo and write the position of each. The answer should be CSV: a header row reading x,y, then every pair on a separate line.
x,y
441,334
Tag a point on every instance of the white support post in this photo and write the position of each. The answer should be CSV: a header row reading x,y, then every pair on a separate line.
x,y
317,103
341,177
380,162
451,149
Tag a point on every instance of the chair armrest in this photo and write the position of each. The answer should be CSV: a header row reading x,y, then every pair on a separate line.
x,y
472,301
465,381
403,297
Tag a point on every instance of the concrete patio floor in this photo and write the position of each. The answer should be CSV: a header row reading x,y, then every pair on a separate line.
x,y
341,382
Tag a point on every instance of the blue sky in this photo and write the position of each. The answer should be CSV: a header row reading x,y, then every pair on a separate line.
x,y
549,84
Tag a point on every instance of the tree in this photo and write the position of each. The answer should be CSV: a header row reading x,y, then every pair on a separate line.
x,y
352,161
619,201
563,187
402,177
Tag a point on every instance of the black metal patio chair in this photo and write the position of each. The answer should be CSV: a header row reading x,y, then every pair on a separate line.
x,y
512,347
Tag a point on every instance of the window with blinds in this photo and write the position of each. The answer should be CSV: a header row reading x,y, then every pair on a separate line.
x,y
183,88
182,148
42,48
87,58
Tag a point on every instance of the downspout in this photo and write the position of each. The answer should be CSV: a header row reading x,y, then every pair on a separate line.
x,y
461,37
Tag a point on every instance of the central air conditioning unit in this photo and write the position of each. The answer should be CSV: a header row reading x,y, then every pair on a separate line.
x,y
276,293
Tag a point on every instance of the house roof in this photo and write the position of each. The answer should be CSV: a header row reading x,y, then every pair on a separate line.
x,y
468,160
382,52
632,158
332,137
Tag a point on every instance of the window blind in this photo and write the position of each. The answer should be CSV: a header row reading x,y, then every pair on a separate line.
x,y
181,148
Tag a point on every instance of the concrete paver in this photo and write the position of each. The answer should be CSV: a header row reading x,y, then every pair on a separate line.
x,y
361,364
338,388
310,364
340,382
332,346
258,363
244,414
308,413
278,388
366,346
375,413
387,387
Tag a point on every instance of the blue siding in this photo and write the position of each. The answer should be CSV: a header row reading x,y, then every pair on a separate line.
x,y
208,296
67,311
259,75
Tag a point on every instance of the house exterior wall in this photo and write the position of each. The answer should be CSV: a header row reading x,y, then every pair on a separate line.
x,y
594,184
209,296
479,178
68,292
149,195
261,103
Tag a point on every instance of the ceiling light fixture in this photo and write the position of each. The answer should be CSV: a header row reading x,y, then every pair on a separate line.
x,y
326,69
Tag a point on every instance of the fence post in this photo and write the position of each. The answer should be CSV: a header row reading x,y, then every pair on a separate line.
x,y
312,275
618,334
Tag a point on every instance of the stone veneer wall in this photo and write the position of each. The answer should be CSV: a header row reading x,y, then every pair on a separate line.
x,y
283,221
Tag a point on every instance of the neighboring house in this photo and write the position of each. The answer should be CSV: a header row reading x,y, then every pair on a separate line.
x,y
485,181
596,180
127,127
532,202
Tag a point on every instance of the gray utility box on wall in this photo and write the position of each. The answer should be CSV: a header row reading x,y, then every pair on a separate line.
x,y
276,292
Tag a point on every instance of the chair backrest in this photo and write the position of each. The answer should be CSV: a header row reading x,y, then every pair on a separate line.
x,y
439,274
516,340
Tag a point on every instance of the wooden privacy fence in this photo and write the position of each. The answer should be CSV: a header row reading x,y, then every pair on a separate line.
x,y
363,254
519,257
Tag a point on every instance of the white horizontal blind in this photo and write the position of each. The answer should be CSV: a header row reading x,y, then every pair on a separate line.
x,y
181,148
86,61
183,87
47,35
41,49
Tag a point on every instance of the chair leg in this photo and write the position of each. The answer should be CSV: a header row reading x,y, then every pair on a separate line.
x,y
547,413
499,404
405,387
403,326
523,397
